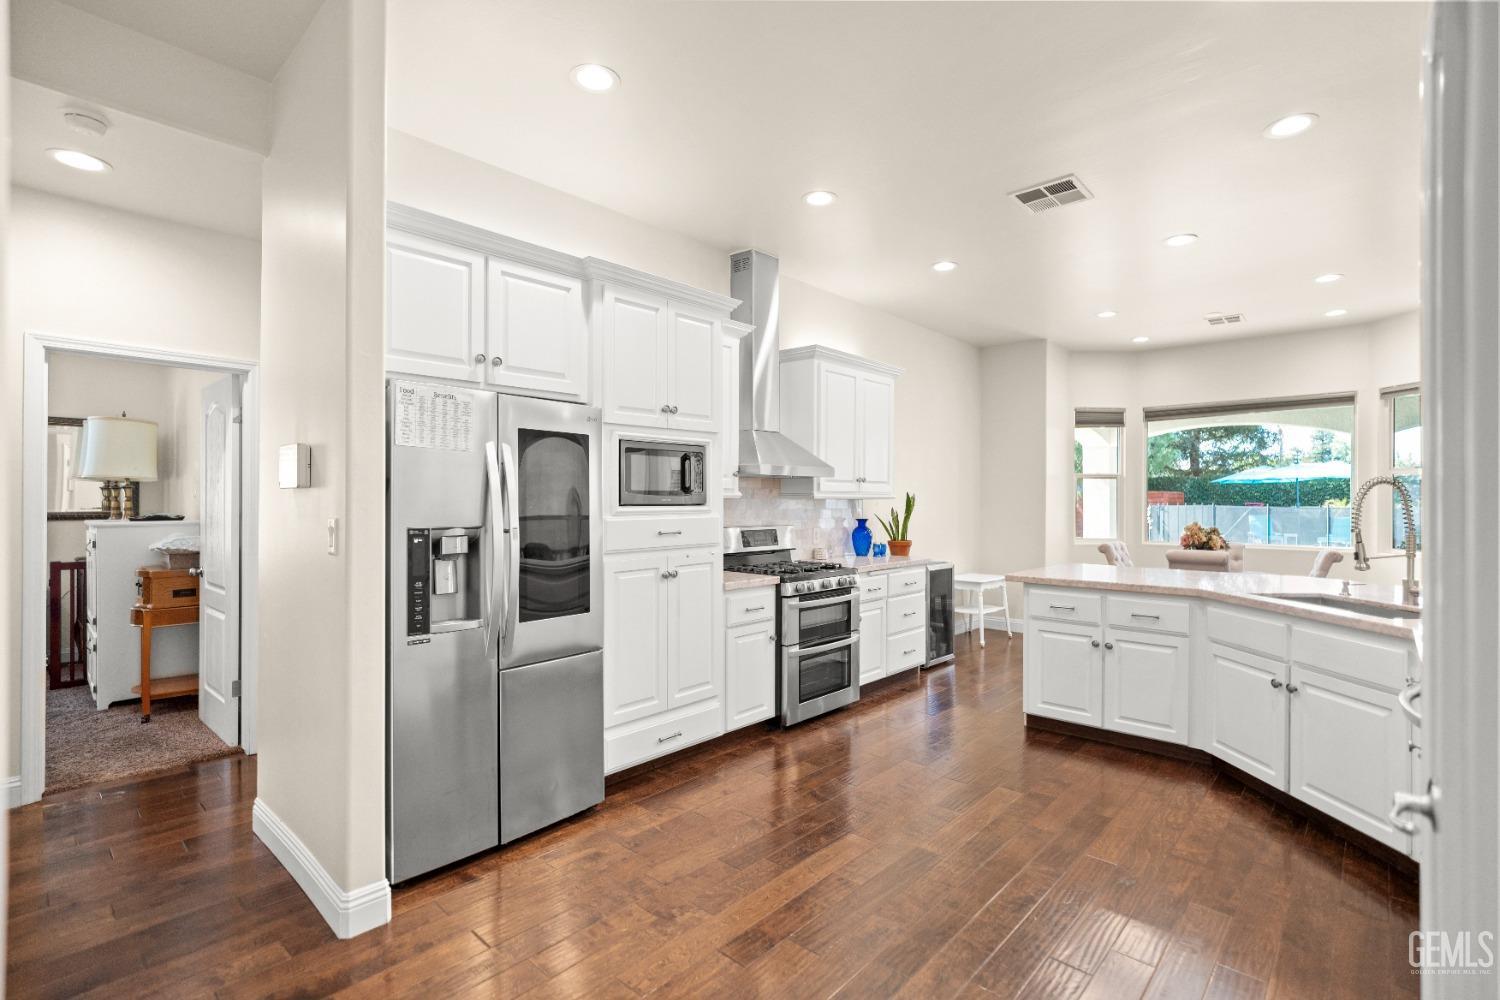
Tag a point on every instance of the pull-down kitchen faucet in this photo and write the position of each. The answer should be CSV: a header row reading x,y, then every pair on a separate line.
x,y
1409,521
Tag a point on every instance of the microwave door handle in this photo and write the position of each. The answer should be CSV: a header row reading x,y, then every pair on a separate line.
x,y
492,584
685,473
513,551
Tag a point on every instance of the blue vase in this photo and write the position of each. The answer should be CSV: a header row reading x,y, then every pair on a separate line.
x,y
862,537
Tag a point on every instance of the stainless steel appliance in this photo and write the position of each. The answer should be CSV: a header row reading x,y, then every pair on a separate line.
x,y
495,716
940,628
817,623
662,473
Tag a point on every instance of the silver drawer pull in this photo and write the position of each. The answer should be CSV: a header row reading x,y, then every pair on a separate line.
x,y
677,532
909,614
1137,614
1061,607
911,583
907,652
758,607
663,739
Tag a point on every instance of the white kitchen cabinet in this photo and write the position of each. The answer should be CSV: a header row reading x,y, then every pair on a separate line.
x,y
537,335
694,655
1146,684
872,640
729,403
695,352
632,329
1063,672
750,658
842,408
434,307
1348,751
635,636
1248,712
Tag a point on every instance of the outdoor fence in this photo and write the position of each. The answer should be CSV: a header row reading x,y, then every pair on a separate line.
x,y
1253,525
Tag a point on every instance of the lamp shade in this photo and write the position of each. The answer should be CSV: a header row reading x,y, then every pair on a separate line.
x,y
115,448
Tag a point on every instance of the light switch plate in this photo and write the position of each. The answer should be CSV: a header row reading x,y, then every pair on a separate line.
x,y
294,466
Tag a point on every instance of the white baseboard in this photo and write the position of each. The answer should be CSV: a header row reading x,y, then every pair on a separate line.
x,y
349,913
13,791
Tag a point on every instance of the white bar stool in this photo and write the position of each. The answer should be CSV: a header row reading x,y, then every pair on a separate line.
x,y
975,584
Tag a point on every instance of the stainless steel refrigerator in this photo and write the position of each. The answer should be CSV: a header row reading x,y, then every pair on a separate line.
x,y
495,706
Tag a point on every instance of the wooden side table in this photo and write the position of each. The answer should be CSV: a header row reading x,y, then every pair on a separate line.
x,y
168,597
974,585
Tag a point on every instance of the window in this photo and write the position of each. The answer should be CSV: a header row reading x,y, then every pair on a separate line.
x,y
1096,470
1405,407
1268,472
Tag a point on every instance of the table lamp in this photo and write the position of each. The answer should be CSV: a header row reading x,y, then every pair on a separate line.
x,y
119,453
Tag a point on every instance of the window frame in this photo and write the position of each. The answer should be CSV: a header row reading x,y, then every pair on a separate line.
x,y
1389,396
1097,417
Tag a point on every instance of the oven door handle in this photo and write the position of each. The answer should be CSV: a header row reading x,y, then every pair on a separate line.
x,y
801,651
849,597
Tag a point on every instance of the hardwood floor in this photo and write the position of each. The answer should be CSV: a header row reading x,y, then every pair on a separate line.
x,y
919,844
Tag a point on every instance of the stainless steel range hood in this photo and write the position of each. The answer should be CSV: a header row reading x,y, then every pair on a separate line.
x,y
764,450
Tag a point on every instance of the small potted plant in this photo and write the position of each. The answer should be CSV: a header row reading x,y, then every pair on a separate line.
x,y
897,527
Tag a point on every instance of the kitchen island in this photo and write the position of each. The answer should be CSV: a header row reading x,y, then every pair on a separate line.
x,y
1300,686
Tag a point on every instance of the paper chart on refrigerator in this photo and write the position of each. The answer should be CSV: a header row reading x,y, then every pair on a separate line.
x,y
431,416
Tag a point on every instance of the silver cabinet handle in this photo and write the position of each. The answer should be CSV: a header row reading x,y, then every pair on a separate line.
x,y
497,361
479,359
195,571
909,614
674,574
674,409
1109,645
907,652
1292,689
912,583
772,637
1062,607
1276,682
1094,643
665,408
758,607
1412,746
1407,700
666,574
1403,803
1154,618
664,739
664,533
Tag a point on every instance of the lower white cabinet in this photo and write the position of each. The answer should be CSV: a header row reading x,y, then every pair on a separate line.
x,y
1248,712
1146,680
1063,673
750,674
871,641
892,623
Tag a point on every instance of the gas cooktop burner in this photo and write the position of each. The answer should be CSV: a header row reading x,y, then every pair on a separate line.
x,y
798,577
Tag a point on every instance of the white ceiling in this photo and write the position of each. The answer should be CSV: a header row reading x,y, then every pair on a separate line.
x,y
158,170
923,116
252,36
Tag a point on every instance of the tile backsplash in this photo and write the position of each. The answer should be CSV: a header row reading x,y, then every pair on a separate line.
x,y
815,523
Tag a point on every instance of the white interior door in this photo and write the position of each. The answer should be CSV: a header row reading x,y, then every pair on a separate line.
x,y
219,577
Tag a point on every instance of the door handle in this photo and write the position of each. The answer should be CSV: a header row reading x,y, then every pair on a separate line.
x,y
195,571
492,621
1403,803
1407,700
513,553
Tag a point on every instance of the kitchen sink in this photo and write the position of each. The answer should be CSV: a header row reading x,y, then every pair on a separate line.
x,y
1352,604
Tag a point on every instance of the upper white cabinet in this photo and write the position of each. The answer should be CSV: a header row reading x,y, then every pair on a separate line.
x,y
632,329
434,307
694,355
537,337
729,404
842,408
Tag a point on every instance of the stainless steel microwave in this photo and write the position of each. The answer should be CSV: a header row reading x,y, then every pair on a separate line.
x,y
663,474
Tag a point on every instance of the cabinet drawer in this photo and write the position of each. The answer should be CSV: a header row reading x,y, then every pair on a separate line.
x,y
1148,613
906,581
902,614
872,586
744,606
1354,655
1063,606
1261,634
658,735
623,534
905,650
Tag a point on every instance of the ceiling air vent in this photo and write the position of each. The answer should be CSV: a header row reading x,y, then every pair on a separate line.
x,y
1053,194
1224,319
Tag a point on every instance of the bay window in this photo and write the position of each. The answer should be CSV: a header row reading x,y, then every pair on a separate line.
x,y
1097,435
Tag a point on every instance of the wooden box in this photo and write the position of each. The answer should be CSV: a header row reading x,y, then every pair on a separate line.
x,y
166,588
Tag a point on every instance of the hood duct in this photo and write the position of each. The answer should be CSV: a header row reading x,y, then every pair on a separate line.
x,y
764,450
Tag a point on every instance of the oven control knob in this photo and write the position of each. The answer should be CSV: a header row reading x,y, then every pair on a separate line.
x,y
826,584
799,588
847,581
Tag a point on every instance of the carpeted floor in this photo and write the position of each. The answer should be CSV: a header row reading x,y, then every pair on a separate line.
x,y
86,746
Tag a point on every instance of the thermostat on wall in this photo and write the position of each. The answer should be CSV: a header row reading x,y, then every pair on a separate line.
x,y
294,466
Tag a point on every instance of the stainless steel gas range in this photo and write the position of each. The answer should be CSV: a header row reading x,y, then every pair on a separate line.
x,y
817,622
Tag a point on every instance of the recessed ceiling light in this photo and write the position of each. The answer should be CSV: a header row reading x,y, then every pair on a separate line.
x,y
1180,239
944,266
1139,340
1107,314
594,78
817,199
1333,313
79,160
1285,128
1328,279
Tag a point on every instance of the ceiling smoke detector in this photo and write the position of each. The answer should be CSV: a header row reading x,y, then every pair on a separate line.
x,y
1053,194
86,122
1224,319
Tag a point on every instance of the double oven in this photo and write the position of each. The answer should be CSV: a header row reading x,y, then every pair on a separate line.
x,y
819,653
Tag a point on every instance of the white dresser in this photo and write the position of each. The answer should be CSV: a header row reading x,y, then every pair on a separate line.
x,y
113,551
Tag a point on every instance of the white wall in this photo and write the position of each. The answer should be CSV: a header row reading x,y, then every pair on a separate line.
x,y
937,399
321,640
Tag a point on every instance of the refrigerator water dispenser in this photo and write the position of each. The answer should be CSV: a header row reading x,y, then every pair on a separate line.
x,y
443,580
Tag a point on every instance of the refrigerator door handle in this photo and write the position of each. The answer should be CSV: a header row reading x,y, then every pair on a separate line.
x,y
492,585
513,554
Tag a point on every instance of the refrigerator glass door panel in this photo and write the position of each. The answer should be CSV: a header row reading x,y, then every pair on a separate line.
x,y
551,742
940,627
553,570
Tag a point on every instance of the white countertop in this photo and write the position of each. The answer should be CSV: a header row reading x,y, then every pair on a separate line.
x,y
1255,590
883,564
748,581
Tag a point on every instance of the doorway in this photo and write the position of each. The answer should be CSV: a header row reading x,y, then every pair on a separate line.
x,y
181,570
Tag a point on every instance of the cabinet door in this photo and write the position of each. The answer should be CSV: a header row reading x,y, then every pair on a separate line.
x,y
877,428
537,336
634,332
871,641
1348,752
1062,672
635,637
838,437
1248,713
729,415
695,598
1146,681
750,674
434,308
693,361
